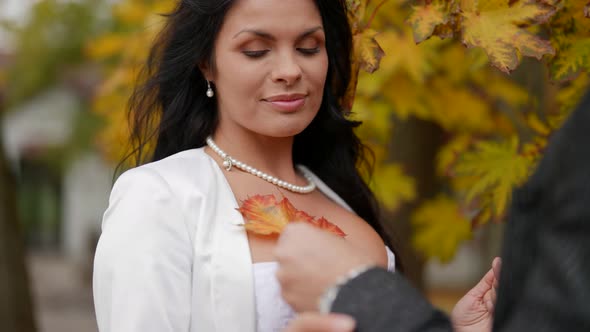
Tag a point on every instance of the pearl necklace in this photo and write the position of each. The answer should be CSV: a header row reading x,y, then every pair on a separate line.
x,y
229,162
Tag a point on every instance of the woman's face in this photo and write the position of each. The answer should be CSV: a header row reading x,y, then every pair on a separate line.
x,y
270,67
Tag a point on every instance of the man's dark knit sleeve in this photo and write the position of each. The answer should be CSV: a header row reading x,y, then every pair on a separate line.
x,y
383,301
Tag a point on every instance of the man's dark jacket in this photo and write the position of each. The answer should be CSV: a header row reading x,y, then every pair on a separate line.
x,y
545,277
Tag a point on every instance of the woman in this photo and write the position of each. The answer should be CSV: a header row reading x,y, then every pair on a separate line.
x,y
241,91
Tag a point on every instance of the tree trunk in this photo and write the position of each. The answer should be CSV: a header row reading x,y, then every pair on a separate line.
x,y
414,144
16,309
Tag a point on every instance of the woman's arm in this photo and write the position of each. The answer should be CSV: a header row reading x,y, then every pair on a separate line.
x,y
142,267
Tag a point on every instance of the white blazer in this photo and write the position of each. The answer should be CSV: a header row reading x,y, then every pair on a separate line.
x,y
173,254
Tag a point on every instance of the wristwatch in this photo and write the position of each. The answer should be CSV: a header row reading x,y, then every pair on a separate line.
x,y
327,299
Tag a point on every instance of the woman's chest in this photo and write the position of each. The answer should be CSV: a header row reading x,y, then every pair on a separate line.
x,y
321,203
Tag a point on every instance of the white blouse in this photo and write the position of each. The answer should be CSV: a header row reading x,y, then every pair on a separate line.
x,y
272,312
174,255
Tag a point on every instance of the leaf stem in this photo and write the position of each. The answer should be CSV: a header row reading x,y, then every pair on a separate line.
x,y
368,25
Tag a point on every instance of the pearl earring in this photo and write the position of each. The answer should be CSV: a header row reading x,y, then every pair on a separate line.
x,y
210,92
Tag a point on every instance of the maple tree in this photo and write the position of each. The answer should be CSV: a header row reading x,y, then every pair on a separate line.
x,y
447,62
442,61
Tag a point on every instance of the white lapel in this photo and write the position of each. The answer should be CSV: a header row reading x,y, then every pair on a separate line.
x,y
232,275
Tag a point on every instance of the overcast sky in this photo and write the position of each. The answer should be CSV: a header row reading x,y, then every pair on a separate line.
x,y
14,10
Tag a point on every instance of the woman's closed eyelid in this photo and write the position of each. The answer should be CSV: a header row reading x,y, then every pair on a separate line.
x,y
309,50
255,53
261,52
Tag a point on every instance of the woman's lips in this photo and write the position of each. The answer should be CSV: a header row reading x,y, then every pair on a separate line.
x,y
287,102
288,105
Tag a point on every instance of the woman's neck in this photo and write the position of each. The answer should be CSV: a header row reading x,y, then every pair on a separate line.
x,y
268,154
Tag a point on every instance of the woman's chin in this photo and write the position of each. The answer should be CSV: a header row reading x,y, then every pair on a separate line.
x,y
291,131
286,129
287,133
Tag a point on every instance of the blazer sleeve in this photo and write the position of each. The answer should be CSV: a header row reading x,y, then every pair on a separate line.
x,y
545,278
383,301
142,266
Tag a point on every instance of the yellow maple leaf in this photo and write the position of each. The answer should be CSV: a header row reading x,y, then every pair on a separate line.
x,y
402,54
571,17
463,110
392,186
571,59
448,155
499,87
370,85
376,117
469,5
500,33
485,5
356,13
504,126
538,125
498,167
533,149
406,99
440,227
457,63
368,53
425,19
568,98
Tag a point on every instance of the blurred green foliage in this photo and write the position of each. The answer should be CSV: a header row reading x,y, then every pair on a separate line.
x,y
50,41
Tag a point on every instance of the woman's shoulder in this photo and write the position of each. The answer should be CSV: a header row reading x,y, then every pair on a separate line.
x,y
186,168
187,161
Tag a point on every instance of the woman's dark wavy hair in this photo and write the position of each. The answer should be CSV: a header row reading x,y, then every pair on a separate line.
x,y
171,106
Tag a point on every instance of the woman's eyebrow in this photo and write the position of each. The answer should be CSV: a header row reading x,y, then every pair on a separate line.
x,y
266,35
309,32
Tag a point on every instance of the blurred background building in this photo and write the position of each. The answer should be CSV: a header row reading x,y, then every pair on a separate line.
x,y
60,204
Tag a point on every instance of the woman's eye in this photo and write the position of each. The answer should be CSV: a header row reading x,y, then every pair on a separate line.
x,y
309,51
255,54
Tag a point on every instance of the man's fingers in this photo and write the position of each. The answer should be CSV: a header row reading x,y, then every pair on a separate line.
x,y
314,322
490,299
497,268
490,295
483,286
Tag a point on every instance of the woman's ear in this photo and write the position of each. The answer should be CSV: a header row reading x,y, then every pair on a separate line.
x,y
206,71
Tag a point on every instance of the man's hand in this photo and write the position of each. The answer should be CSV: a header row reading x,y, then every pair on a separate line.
x,y
314,322
310,261
475,311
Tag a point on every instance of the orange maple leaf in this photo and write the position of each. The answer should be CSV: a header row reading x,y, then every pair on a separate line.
x,y
323,223
265,215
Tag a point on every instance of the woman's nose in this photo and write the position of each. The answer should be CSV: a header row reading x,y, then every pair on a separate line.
x,y
287,70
